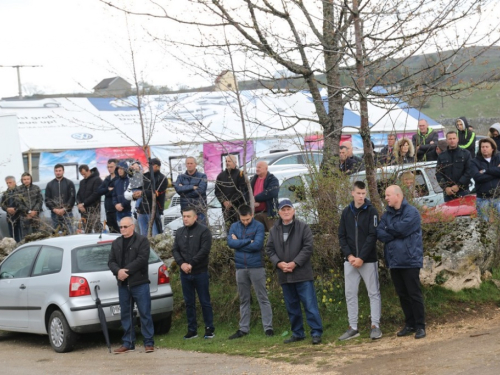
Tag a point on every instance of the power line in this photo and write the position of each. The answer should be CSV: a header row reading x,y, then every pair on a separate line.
x,y
19,87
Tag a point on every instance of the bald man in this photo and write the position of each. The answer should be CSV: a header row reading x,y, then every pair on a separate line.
x,y
265,187
128,260
399,229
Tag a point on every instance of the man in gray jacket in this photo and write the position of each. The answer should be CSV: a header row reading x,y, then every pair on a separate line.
x,y
290,247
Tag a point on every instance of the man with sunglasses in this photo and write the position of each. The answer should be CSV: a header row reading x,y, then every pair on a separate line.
x,y
128,260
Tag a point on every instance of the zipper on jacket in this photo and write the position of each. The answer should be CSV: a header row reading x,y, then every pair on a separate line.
x,y
356,233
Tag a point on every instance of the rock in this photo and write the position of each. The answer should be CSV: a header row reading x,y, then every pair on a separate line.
x,y
487,276
7,244
458,253
497,283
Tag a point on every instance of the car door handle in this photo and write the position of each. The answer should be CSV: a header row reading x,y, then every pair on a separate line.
x,y
22,286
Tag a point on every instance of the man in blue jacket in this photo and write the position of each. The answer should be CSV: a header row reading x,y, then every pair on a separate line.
x,y
192,188
246,237
265,187
400,231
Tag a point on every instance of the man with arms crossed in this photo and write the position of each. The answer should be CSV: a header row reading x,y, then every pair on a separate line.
x,y
246,237
358,241
60,196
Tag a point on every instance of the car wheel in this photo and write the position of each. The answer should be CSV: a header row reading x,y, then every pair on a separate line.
x,y
163,326
61,337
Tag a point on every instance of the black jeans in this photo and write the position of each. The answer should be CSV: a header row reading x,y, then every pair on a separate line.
x,y
407,284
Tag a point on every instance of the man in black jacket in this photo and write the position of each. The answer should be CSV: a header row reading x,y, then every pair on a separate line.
x,y
423,139
290,247
89,199
230,190
60,198
265,187
385,155
10,203
128,260
453,169
106,189
191,250
358,241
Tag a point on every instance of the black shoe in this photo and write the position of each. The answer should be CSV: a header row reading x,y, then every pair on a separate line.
x,y
316,340
238,335
269,332
420,334
406,331
293,339
190,335
209,333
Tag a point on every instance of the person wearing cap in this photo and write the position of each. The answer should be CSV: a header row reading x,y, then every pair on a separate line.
x,y
466,137
192,188
121,204
494,133
145,208
453,169
290,247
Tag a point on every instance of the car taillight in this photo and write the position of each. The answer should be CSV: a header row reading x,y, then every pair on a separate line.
x,y
163,275
78,286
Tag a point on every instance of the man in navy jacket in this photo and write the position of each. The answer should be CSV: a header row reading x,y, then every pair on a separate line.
x,y
400,231
246,237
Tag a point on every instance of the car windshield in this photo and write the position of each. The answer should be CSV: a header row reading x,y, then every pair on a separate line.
x,y
95,258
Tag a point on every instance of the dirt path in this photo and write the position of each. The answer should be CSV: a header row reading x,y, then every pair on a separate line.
x,y
468,346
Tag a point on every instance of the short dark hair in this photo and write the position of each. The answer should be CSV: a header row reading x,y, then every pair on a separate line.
x,y
113,161
59,166
244,210
189,208
83,167
342,147
359,184
451,132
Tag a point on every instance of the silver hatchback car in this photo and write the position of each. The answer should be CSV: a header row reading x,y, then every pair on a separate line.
x,y
48,287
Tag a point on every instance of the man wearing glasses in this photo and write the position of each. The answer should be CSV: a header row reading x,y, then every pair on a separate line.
x,y
128,260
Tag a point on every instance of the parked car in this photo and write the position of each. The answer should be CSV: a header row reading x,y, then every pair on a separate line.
x,y
287,158
48,287
449,211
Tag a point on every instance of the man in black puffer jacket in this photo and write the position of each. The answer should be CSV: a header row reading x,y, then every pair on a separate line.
x,y
106,189
191,250
128,260
60,200
89,199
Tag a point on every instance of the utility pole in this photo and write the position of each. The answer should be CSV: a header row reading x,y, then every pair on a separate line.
x,y
19,87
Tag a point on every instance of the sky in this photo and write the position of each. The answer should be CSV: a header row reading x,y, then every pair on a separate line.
x,y
78,43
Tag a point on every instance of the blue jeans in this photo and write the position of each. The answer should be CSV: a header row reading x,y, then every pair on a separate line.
x,y
121,214
294,294
143,220
197,283
141,296
64,222
485,205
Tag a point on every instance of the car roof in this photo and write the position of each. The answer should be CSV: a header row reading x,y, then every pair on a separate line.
x,y
76,240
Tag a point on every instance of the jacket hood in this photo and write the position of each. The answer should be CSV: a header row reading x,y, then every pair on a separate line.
x,y
496,127
365,206
123,165
466,124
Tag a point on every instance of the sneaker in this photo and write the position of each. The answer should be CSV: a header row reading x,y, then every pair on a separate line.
x,y
420,334
316,340
149,349
122,349
375,333
405,331
237,335
269,332
209,333
190,335
293,339
349,334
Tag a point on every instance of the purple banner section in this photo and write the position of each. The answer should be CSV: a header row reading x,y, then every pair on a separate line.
x,y
214,154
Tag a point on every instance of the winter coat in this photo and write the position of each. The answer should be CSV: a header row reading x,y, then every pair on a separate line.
x,y
138,266
298,248
453,168
230,186
107,183
401,233
487,183
10,199
121,185
358,232
496,127
351,165
30,199
161,184
270,193
466,138
60,194
189,195
427,153
423,140
247,254
385,155
88,193
192,245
